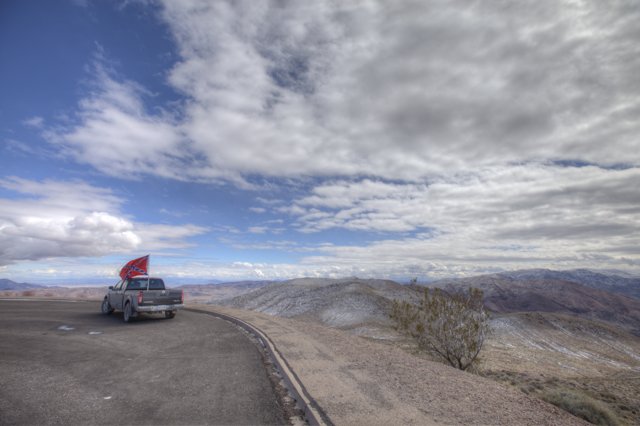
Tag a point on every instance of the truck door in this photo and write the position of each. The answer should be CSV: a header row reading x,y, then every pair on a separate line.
x,y
117,295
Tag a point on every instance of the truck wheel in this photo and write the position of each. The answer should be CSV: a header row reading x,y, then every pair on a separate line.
x,y
106,307
169,314
127,312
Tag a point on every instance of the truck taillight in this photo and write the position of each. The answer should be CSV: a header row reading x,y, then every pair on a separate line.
x,y
140,297
182,296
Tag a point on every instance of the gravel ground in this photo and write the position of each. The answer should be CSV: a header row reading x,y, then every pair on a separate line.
x,y
359,381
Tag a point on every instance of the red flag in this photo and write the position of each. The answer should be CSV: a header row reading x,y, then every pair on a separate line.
x,y
135,267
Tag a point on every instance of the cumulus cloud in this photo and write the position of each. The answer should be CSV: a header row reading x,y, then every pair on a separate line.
x,y
48,219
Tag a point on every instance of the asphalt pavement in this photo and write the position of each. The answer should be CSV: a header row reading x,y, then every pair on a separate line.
x,y
66,363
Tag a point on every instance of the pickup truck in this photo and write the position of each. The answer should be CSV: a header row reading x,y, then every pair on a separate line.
x,y
140,294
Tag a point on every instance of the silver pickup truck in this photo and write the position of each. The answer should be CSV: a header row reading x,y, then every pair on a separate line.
x,y
142,294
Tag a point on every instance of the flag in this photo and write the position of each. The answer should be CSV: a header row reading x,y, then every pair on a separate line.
x,y
135,267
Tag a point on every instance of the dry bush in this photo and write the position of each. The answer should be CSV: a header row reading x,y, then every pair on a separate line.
x,y
452,327
582,406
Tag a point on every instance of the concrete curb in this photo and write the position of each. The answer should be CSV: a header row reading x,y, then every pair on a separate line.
x,y
314,415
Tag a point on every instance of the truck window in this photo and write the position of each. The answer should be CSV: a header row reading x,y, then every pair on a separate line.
x,y
137,285
156,284
141,284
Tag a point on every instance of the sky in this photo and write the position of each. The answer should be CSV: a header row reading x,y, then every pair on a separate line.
x,y
235,140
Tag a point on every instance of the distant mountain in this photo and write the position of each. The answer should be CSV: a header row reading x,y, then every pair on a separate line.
x,y
344,303
615,282
539,291
208,293
234,284
6,284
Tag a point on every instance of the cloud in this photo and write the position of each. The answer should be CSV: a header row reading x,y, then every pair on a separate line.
x,y
118,136
510,216
52,219
404,91
454,126
491,200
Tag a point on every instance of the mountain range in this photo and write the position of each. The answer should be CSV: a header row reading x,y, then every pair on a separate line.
x,y
582,293
614,282
6,284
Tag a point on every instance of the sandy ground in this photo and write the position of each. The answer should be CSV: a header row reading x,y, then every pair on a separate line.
x,y
358,381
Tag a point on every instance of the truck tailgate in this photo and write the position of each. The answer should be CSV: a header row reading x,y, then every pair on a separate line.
x,y
161,297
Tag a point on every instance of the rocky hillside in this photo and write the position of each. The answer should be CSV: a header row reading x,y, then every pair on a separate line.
x,y
504,294
344,303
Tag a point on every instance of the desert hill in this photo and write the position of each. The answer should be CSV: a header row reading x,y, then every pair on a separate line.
x,y
547,335
344,303
562,344
6,284
207,293
505,294
542,352
614,282
354,302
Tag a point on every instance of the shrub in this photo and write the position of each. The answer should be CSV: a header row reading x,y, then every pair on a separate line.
x,y
452,327
582,406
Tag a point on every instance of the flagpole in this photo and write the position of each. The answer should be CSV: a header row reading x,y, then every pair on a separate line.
x,y
148,270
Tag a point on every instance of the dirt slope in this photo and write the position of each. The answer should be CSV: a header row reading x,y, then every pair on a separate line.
x,y
358,381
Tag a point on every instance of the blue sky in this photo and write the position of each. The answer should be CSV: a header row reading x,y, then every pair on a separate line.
x,y
271,140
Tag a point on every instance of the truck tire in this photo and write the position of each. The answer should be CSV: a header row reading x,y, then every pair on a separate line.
x,y
106,307
127,312
169,314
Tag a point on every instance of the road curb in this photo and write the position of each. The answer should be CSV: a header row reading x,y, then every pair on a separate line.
x,y
313,412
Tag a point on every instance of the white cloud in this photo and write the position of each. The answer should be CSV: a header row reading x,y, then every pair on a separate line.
x,y
492,201
406,85
52,219
507,217
407,90
117,136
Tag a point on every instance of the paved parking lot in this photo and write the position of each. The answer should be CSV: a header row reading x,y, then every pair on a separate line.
x,y
66,363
